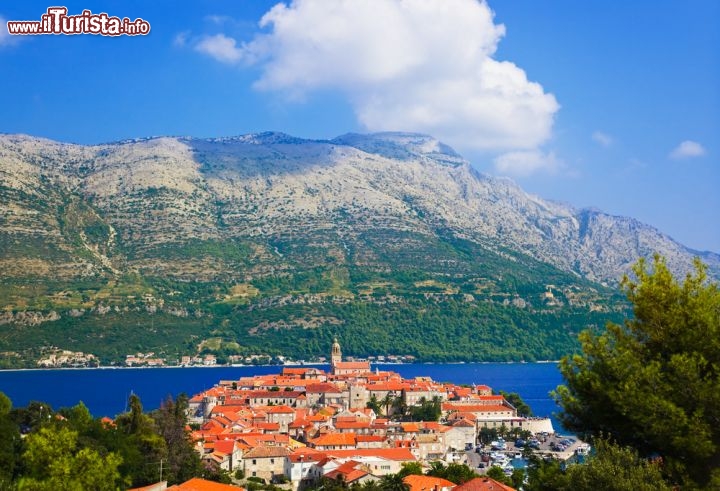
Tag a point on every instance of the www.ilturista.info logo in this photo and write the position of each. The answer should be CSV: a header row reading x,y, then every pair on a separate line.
x,y
56,21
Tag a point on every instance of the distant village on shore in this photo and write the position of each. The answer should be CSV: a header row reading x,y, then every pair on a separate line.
x,y
53,357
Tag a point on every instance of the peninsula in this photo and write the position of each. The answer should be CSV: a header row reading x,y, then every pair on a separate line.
x,y
351,422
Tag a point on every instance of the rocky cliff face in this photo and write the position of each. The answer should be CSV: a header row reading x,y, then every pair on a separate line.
x,y
241,206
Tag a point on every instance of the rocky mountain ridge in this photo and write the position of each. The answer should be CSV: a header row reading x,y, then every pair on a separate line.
x,y
141,196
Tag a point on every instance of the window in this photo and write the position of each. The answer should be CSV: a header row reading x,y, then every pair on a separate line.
x,y
254,463
272,461
254,473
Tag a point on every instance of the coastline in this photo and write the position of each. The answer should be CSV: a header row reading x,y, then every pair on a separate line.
x,y
111,367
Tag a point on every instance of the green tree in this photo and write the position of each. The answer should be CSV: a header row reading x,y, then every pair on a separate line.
x,y
408,468
9,443
488,434
183,462
653,384
545,475
498,474
427,410
517,478
140,445
387,403
393,482
371,485
459,473
374,404
518,403
615,468
53,462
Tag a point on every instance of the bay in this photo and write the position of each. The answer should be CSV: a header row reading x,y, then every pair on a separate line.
x,y
105,390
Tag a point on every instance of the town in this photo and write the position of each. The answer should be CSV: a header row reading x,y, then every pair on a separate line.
x,y
298,426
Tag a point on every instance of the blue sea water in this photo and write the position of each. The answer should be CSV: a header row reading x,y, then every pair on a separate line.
x,y
105,391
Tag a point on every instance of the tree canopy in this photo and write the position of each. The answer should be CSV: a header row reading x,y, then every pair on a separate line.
x,y
653,384
71,450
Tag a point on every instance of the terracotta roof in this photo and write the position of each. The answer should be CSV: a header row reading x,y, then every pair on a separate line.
x,y
353,365
280,409
464,423
274,394
426,483
322,388
483,484
334,439
410,427
225,446
294,371
370,438
350,425
267,426
463,415
306,454
386,387
266,451
349,472
475,408
197,484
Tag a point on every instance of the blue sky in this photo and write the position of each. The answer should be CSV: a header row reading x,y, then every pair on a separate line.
x,y
614,105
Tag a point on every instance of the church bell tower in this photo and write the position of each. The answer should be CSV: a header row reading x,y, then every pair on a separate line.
x,y
336,355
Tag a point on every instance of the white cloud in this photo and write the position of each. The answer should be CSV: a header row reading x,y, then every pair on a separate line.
x,y
220,47
218,19
5,38
687,149
526,163
603,138
181,39
413,65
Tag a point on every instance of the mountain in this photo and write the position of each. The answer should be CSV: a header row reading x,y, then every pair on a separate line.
x,y
223,235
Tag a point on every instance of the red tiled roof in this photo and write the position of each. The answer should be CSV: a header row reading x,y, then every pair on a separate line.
x,y
197,484
370,438
463,423
426,483
483,484
322,388
274,394
351,425
397,454
294,371
410,427
334,439
348,471
306,454
475,408
353,365
280,410
265,451
225,446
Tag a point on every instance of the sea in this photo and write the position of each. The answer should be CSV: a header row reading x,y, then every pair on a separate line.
x,y
105,391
